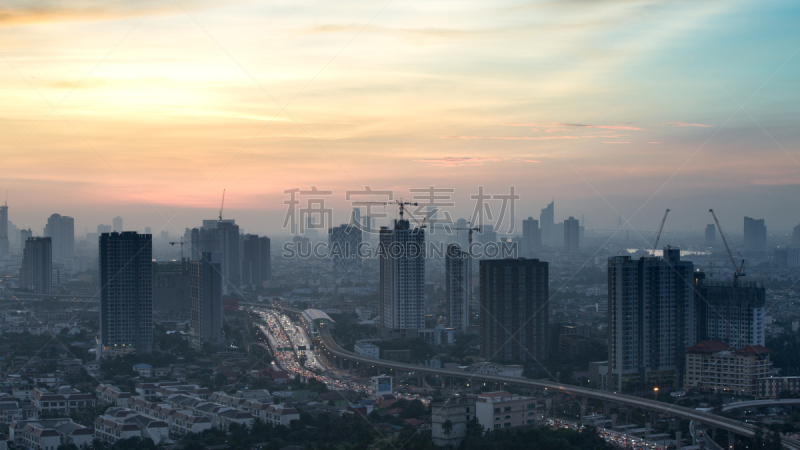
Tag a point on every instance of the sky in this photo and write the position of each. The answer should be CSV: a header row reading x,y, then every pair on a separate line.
x,y
149,109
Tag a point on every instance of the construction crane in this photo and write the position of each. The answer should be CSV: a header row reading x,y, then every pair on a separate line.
x,y
469,228
658,235
737,271
402,205
222,205
181,243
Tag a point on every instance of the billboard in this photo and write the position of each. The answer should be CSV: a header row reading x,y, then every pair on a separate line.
x,y
383,385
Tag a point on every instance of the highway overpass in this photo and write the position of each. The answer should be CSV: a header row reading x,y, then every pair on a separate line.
x,y
708,419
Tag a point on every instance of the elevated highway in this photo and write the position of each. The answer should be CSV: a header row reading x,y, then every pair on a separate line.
x,y
708,419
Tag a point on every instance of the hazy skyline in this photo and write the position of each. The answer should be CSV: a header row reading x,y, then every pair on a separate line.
x,y
605,106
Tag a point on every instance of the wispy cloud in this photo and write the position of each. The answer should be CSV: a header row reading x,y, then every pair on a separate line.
x,y
608,127
616,142
684,124
450,161
531,138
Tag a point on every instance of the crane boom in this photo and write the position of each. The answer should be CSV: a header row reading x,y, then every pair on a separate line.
x,y
402,206
222,205
737,271
658,235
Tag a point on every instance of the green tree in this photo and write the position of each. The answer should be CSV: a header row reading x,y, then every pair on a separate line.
x,y
447,427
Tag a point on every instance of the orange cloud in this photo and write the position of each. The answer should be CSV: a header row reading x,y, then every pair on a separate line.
x,y
532,138
608,127
450,161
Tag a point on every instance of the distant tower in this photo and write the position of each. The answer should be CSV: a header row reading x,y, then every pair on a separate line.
x,y
546,222
796,237
117,222
206,298
457,268
36,272
531,237
402,277
62,230
572,235
711,235
4,230
755,235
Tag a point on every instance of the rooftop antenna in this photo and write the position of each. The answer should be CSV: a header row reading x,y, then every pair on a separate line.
x,y
222,205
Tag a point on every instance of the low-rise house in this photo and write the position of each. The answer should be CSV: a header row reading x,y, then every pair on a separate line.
x,y
61,402
280,415
111,395
49,434
119,423
144,370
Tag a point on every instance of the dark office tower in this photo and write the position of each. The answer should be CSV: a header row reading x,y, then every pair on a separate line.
x,y
206,298
728,313
572,235
343,249
456,282
126,294
62,230
220,237
651,313
4,246
36,272
402,282
796,237
255,260
24,235
117,221
531,237
513,309
171,288
546,220
711,235
755,235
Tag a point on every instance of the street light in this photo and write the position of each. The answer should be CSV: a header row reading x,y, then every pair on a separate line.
x,y
655,392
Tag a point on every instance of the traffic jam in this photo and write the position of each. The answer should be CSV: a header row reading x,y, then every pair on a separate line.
x,y
619,439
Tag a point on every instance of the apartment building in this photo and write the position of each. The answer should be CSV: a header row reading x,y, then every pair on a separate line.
x,y
502,410
714,366
458,411
49,434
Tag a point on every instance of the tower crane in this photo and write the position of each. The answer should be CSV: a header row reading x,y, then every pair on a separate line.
x,y
658,235
222,205
402,205
737,271
181,244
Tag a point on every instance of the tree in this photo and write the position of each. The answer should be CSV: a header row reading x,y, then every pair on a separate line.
x,y
447,427
775,442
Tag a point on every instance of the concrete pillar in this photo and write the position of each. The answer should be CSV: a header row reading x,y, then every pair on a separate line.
x,y
647,431
731,440
678,437
583,411
585,401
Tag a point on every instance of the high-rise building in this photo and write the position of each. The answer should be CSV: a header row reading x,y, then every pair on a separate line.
x,y
148,230
456,282
171,286
126,294
4,244
24,235
546,221
796,237
117,221
206,300
355,218
343,249
514,309
711,235
103,229
62,230
651,311
36,272
731,314
572,235
531,237
487,235
220,236
255,260
164,236
402,279
755,235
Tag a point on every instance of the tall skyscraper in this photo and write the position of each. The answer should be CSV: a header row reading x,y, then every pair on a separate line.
x,y
171,286
148,230
343,244
24,235
731,314
531,237
796,237
206,298
402,282
755,235
103,229
255,260
514,309
546,221
117,221
126,294
711,235
221,237
651,311
4,244
572,235
456,282
62,230
164,236
36,272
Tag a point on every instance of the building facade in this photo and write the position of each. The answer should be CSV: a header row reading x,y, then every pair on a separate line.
x,y
256,264
711,235
457,288
514,309
344,242
755,235
458,411
651,317
731,314
220,236
715,367
531,238
206,301
572,235
501,410
126,295
62,231
402,277
36,272
547,220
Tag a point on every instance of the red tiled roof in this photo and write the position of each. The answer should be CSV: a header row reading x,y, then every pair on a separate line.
x,y
709,347
753,350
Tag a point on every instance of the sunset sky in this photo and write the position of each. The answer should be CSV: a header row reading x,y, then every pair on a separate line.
x,y
610,107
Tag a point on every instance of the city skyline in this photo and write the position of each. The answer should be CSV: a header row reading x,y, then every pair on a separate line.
x,y
151,134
